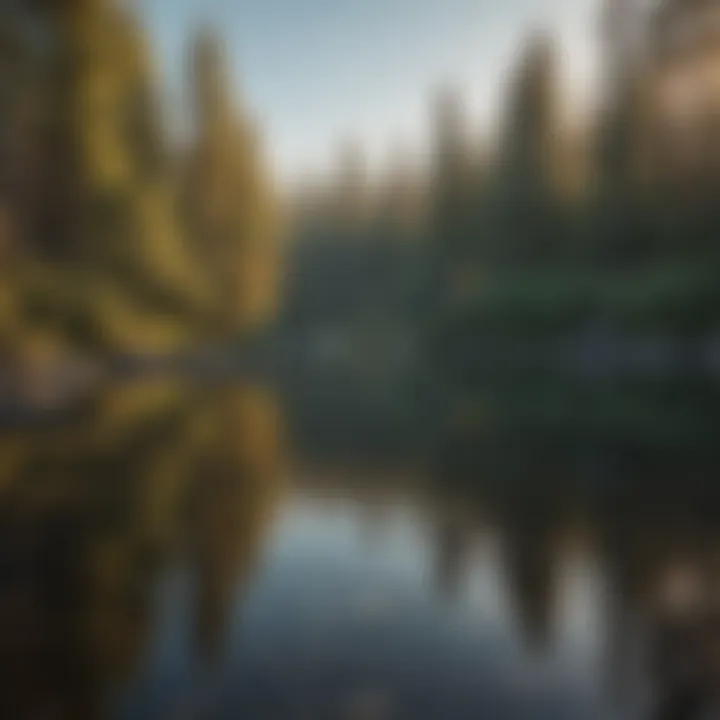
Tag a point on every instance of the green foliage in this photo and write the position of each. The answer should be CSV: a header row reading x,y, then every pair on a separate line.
x,y
106,256
230,208
659,298
629,257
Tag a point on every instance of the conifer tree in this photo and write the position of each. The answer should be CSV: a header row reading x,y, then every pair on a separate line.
x,y
108,215
452,201
529,159
230,206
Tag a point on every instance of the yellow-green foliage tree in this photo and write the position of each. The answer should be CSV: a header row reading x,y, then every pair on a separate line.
x,y
123,276
89,205
231,211
119,253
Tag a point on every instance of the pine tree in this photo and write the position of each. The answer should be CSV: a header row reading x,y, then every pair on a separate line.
x,y
231,210
122,274
530,136
451,174
452,229
529,154
350,201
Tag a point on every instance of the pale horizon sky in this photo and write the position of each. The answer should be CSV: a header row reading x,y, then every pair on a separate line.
x,y
318,72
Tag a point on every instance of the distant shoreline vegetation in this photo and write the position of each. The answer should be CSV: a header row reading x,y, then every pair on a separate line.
x,y
552,230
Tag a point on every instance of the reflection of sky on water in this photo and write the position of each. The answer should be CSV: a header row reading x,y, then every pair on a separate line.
x,y
338,616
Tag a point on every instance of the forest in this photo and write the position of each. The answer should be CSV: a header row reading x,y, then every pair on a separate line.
x,y
116,237
120,237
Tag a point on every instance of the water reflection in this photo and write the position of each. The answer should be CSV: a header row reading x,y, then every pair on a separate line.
x,y
161,557
94,512
233,493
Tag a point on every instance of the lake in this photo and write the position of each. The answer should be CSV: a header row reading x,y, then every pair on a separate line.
x,y
224,550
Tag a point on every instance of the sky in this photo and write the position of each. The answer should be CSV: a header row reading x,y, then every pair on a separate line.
x,y
317,73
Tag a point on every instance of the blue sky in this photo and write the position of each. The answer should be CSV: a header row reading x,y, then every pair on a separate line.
x,y
316,72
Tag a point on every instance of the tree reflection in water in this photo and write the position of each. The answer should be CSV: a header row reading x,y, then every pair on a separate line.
x,y
91,514
94,513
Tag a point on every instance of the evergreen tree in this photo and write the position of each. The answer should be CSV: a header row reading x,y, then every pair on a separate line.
x,y
451,175
350,201
122,276
529,157
230,206
452,200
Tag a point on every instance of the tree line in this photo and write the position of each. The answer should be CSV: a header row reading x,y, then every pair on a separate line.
x,y
551,223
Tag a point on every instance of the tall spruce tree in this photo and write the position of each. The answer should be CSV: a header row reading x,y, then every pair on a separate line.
x,y
230,206
122,275
451,198
529,159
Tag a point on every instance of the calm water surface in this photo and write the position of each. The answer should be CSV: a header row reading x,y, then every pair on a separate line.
x,y
177,552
